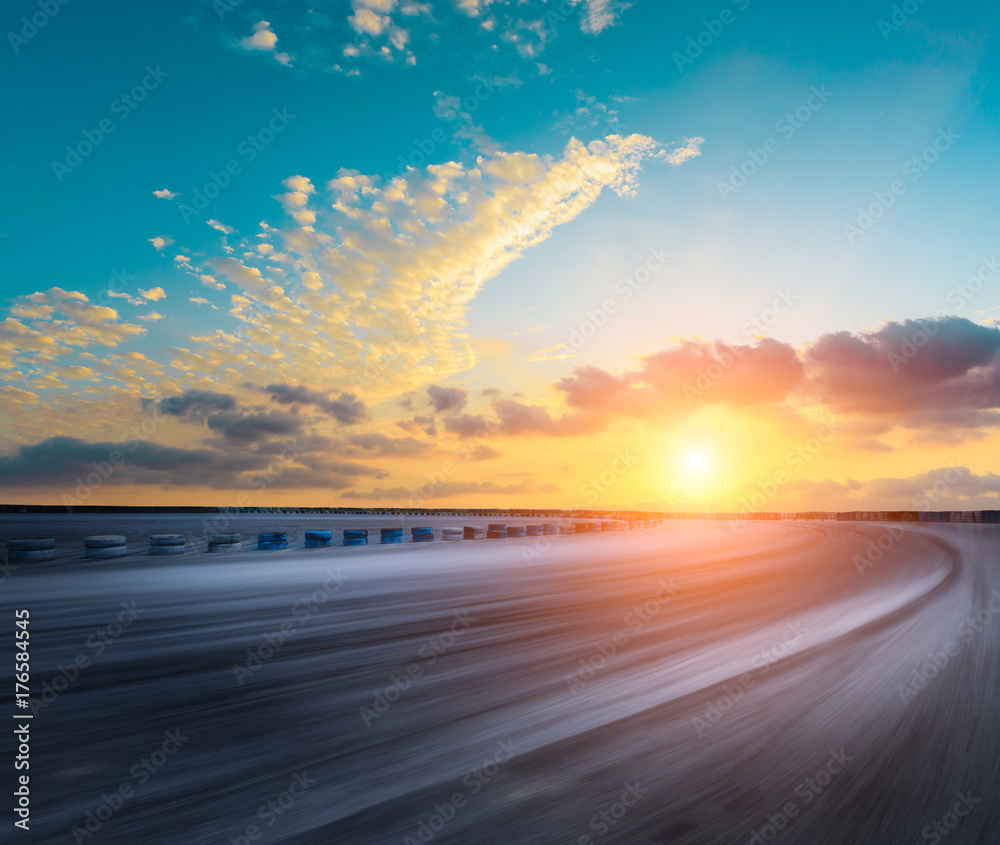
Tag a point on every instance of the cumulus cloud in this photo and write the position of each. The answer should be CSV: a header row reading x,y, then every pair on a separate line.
x,y
940,373
417,423
254,427
264,39
160,242
163,193
346,408
193,403
153,294
63,462
447,400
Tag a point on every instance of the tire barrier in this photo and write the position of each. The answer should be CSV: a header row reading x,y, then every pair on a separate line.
x,y
318,539
472,532
551,528
30,550
225,542
517,531
272,542
104,546
355,536
567,528
422,535
581,527
535,530
166,544
392,535
452,534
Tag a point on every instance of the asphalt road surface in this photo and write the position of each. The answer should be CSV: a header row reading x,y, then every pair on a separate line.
x,y
815,683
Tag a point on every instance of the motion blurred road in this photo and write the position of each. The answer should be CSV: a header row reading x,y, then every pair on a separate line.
x,y
702,682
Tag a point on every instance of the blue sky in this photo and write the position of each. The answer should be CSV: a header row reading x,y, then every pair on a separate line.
x,y
364,85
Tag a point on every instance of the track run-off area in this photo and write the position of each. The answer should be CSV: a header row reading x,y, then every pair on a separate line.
x,y
700,682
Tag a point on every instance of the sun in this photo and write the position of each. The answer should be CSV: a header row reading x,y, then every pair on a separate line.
x,y
697,463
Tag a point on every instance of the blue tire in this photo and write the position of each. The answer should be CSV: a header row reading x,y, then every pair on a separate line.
x,y
355,541
318,544
319,535
271,547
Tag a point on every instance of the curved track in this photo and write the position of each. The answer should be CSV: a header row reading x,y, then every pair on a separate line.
x,y
698,683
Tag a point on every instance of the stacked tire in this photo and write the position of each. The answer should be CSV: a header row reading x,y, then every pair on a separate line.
x,y
474,532
225,542
496,531
517,531
392,535
581,527
272,542
318,539
567,528
166,544
103,546
30,550
452,534
550,528
355,536
422,535
536,530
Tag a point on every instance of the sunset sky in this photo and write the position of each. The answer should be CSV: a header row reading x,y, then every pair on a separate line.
x,y
509,254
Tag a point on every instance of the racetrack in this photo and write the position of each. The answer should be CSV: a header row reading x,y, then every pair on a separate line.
x,y
696,683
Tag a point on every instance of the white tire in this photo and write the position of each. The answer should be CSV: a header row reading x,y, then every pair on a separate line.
x,y
98,552
167,540
30,555
30,545
104,541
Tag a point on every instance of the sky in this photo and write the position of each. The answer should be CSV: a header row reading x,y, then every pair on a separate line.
x,y
481,253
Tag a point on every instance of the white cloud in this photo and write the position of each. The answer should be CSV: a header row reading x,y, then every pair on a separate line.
x,y
222,227
264,39
377,275
152,316
164,194
690,149
161,242
598,15
153,294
